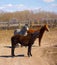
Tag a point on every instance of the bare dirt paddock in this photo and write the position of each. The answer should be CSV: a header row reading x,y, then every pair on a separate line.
x,y
46,54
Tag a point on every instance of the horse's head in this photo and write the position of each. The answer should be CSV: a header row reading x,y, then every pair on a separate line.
x,y
46,27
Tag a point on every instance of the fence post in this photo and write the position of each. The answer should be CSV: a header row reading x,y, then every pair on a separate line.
x,y
8,25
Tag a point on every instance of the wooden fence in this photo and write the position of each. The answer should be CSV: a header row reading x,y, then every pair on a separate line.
x,y
12,25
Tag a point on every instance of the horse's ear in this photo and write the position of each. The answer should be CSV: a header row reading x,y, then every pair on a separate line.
x,y
46,25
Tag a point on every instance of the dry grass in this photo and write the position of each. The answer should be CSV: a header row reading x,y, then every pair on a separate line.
x,y
5,36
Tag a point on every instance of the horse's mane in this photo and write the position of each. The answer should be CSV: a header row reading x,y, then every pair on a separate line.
x,y
42,28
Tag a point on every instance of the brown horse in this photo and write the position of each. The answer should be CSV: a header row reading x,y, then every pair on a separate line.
x,y
40,30
27,40
24,41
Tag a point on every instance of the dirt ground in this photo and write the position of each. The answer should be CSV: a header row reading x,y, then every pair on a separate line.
x,y
46,54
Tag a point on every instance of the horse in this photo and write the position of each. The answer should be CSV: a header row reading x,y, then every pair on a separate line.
x,y
24,41
22,31
40,30
28,40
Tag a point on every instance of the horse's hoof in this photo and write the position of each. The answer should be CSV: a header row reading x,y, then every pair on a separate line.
x,y
39,45
31,55
13,55
28,55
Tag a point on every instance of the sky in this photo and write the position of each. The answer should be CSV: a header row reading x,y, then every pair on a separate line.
x,y
20,5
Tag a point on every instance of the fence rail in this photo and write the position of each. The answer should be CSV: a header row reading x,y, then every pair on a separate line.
x,y
12,25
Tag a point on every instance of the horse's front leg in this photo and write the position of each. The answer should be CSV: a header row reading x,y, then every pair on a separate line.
x,y
29,51
39,41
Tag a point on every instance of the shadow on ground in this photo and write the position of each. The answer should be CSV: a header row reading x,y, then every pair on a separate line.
x,y
10,46
54,45
19,46
8,56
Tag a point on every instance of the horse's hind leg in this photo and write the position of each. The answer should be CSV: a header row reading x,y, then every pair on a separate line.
x,y
12,51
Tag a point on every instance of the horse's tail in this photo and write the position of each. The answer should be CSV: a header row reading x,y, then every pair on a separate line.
x,y
13,46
